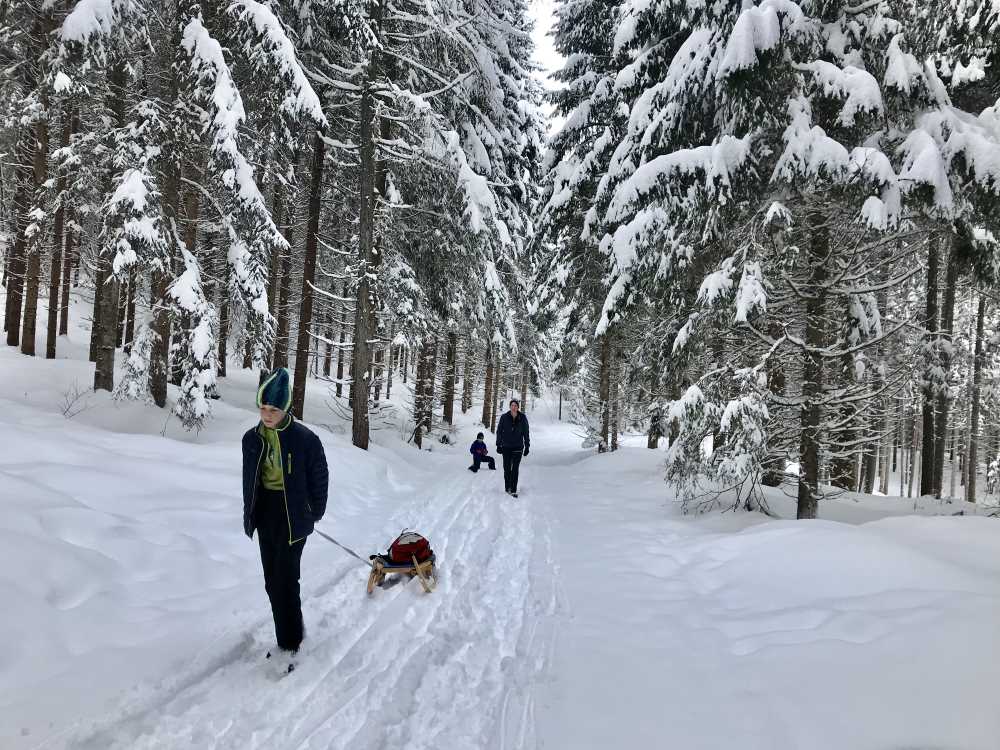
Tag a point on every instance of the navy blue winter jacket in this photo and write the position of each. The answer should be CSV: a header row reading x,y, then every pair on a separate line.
x,y
512,434
306,478
479,448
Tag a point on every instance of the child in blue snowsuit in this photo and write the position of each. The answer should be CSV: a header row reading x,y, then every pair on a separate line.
x,y
480,453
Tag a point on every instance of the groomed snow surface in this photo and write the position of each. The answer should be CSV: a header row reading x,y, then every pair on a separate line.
x,y
588,613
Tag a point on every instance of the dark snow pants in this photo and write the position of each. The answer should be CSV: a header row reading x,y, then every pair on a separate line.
x,y
477,459
511,463
280,561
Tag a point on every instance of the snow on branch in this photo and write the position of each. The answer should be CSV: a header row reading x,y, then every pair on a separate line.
x,y
857,87
251,229
758,29
95,18
717,163
272,48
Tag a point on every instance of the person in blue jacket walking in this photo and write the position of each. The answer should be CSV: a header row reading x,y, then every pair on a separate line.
x,y
513,442
285,483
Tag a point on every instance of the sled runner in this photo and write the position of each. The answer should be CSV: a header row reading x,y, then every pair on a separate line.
x,y
410,555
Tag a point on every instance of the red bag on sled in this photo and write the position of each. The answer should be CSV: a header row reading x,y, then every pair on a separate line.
x,y
408,545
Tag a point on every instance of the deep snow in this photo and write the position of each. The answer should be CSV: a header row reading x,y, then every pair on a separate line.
x,y
588,613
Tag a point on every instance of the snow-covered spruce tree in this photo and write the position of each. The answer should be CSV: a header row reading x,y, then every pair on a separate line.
x,y
826,149
186,149
436,138
570,270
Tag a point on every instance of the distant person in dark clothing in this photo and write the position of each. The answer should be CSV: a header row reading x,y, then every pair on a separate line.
x,y
513,442
481,454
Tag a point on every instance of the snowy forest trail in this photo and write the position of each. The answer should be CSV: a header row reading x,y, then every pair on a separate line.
x,y
740,631
587,613
398,670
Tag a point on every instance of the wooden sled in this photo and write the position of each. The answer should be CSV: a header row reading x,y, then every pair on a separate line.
x,y
382,567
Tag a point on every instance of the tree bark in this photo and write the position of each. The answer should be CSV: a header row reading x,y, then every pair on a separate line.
x,y
467,377
929,390
106,308
604,392
304,345
68,262
17,261
945,350
449,378
58,235
283,300
342,324
488,387
812,368
615,406
972,460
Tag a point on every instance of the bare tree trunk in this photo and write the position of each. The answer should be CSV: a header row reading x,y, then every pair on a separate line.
x,y
105,313
58,235
604,394
812,368
66,283
419,389
972,460
449,378
128,335
497,380
467,377
930,326
304,345
944,349
488,387
17,262
615,385
284,302
431,375
328,352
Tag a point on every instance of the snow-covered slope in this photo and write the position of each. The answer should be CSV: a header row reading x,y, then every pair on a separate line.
x,y
586,614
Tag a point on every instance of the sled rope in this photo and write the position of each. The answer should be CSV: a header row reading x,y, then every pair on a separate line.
x,y
348,550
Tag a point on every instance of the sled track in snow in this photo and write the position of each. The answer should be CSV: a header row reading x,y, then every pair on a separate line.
x,y
402,669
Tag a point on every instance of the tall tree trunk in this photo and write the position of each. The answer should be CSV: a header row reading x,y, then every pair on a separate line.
x,y
128,335
106,312
58,235
371,183
223,297
467,377
449,378
277,209
972,460
342,324
304,345
66,283
944,348
812,368
615,406
328,351
283,301
431,375
929,390
488,387
497,382
604,393
17,261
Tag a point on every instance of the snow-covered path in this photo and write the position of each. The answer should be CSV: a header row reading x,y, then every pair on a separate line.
x,y
399,670
585,614
738,632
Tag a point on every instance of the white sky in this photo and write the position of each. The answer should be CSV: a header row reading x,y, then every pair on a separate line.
x,y
541,12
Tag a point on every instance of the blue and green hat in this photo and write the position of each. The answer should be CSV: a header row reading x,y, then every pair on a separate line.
x,y
276,390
